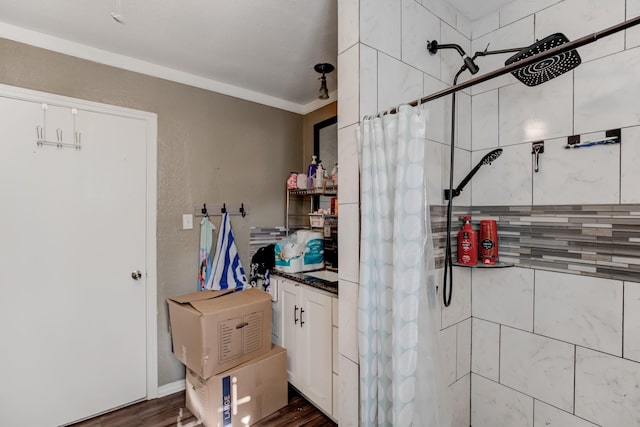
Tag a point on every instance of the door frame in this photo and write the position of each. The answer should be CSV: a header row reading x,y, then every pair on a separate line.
x,y
151,120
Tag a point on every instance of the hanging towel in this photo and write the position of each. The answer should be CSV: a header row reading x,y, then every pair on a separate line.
x,y
206,242
227,271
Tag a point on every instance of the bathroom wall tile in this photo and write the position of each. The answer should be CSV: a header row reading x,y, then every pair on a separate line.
x,y
578,176
348,24
548,416
632,321
461,392
418,26
463,121
348,84
348,179
439,125
368,81
461,166
485,25
460,307
518,9
398,83
433,170
536,113
463,363
607,389
349,393
485,354
633,34
448,346
504,296
537,366
578,18
515,35
484,129
442,10
629,159
380,25
494,405
451,60
463,24
579,309
349,241
348,315
604,90
507,181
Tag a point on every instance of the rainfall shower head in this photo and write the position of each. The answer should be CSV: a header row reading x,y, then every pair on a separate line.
x,y
545,69
486,160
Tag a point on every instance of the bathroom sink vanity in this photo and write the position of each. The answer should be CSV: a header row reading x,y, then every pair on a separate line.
x,y
305,322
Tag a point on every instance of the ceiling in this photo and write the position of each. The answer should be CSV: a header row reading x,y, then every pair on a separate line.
x,y
262,50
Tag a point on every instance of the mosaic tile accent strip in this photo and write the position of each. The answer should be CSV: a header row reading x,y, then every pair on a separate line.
x,y
592,240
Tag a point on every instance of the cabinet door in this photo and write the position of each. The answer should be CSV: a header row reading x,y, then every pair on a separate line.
x,y
276,315
317,340
290,321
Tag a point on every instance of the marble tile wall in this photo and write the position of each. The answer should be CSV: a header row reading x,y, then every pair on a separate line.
x,y
555,338
574,222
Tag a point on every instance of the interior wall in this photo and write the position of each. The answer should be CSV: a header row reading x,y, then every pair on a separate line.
x,y
556,343
212,149
383,62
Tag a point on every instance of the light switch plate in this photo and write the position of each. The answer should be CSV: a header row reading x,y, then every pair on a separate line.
x,y
187,221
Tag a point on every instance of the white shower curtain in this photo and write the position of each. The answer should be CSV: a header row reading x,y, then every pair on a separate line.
x,y
400,381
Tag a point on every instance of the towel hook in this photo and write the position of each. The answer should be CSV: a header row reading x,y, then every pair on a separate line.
x,y
204,210
242,211
224,208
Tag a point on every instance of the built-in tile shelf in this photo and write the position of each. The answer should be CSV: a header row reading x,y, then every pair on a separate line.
x,y
480,265
588,240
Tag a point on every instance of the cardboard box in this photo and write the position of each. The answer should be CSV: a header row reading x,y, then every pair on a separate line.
x,y
242,395
213,331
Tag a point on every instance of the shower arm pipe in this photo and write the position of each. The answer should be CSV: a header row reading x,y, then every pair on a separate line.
x,y
583,41
496,52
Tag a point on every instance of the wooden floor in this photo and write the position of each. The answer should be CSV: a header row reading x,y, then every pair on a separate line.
x,y
170,411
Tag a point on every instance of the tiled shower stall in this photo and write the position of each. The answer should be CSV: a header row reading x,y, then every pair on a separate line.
x,y
555,339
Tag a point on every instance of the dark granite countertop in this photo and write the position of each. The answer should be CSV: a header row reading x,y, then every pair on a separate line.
x,y
325,285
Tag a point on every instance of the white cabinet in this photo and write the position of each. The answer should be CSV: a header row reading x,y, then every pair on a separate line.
x,y
306,331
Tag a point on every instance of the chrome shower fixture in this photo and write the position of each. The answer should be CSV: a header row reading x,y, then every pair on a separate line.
x,y
486,160
433,47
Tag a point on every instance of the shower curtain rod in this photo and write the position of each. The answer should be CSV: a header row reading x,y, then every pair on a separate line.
x,y
516,65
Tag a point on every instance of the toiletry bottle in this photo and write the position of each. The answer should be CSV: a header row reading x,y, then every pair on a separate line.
x,y
467,243
311,172
320,172
488,241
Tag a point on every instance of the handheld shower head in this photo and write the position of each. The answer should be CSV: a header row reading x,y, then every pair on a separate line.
x,y
486,160
491,156
545,69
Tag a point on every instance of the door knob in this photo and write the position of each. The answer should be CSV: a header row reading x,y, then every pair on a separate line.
x,y
136,275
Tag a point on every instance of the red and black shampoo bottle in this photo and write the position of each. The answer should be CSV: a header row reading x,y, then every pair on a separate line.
x,y
467,243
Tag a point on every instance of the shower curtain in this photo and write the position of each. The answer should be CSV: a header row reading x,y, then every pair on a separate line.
x,y
400,381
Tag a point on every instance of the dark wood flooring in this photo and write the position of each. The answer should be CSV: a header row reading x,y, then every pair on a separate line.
x,y
170,411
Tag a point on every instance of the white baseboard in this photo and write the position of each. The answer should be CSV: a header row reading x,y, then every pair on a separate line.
x,y
174,387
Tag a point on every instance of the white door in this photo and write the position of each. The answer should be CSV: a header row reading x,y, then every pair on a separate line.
x,y
72,231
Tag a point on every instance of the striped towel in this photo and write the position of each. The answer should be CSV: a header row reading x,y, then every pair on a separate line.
x,y
227,271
